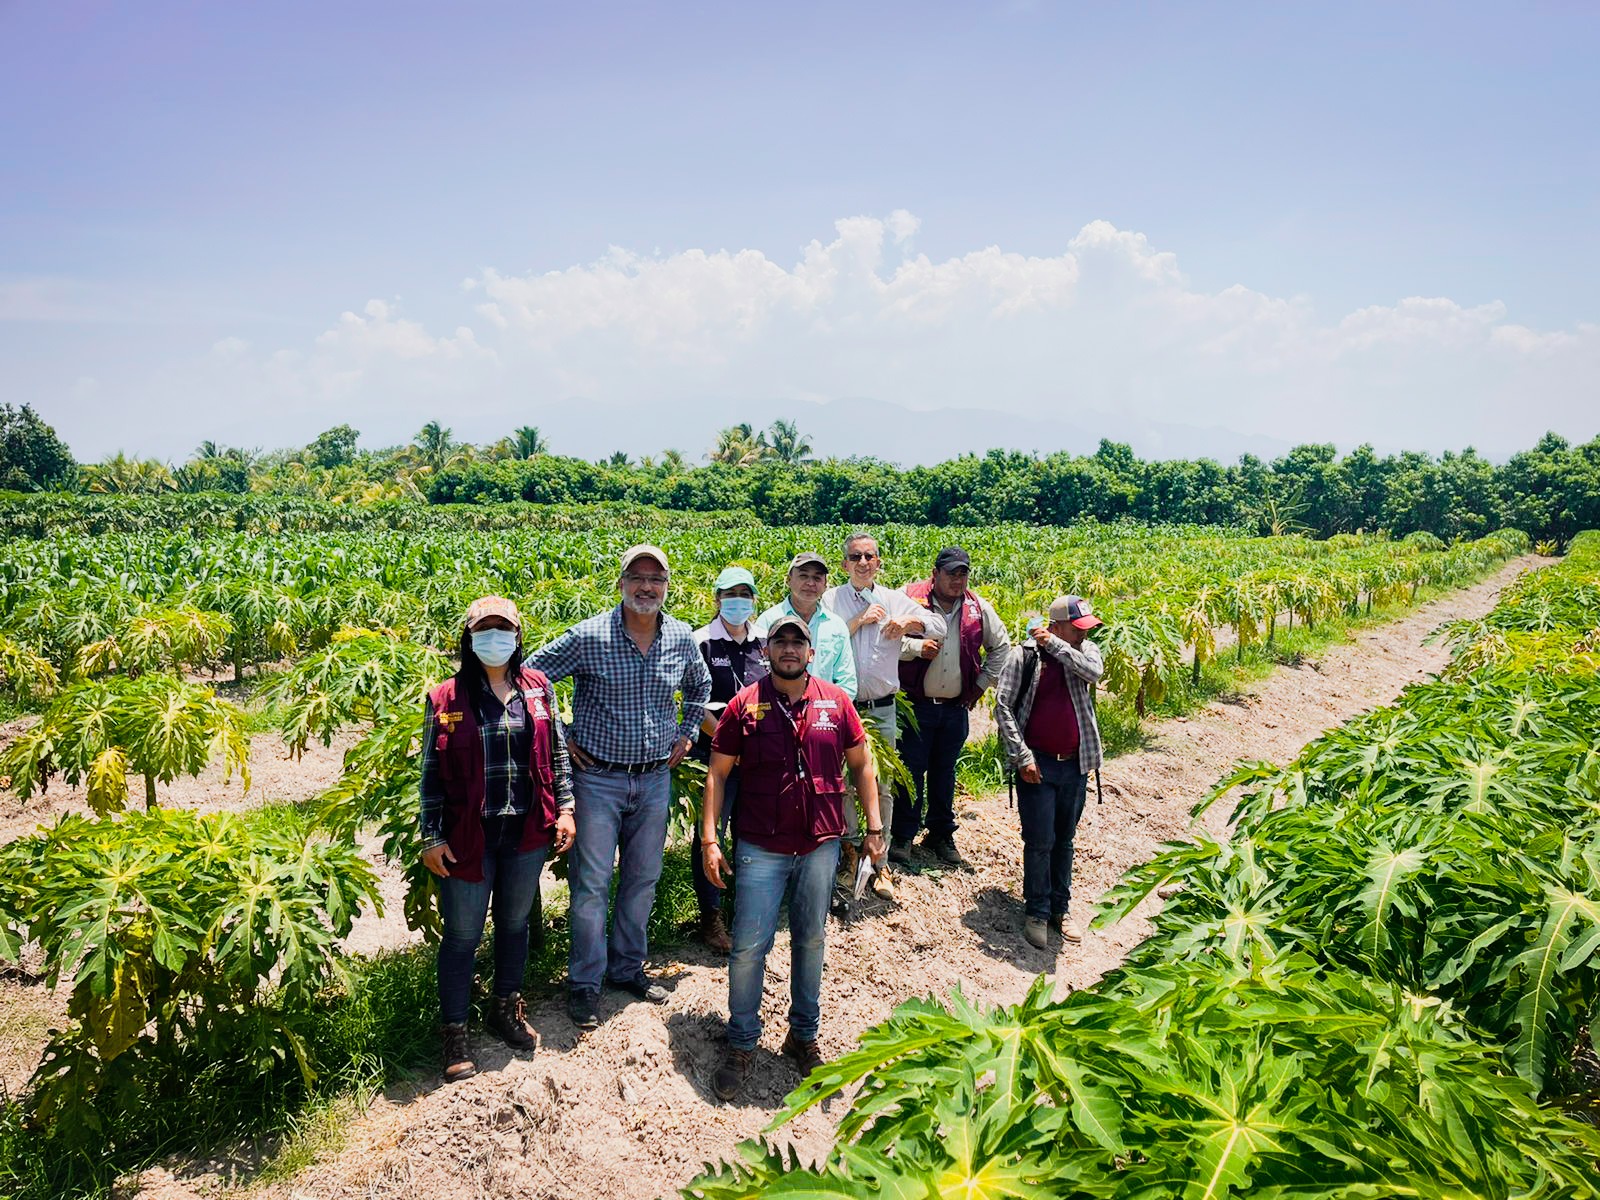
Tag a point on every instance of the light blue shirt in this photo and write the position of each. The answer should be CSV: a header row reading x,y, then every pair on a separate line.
x,y
833,661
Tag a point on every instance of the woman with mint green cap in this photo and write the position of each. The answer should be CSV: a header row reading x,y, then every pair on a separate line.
x,y
735,656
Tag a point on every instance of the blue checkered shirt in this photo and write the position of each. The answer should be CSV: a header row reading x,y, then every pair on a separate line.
x,y
625,707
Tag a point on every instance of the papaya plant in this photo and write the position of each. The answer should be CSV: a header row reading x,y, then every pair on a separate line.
x,y
175,935
98,732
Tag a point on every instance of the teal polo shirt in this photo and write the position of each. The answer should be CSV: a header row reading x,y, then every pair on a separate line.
x,y
834,661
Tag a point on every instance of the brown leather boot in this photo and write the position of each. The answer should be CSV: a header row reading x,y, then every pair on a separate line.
x,y
807,1055
714,933
457,1055
507,1019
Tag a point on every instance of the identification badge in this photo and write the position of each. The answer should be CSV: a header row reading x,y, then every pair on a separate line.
x,y
449,720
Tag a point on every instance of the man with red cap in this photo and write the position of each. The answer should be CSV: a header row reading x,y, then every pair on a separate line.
x,y
1044,706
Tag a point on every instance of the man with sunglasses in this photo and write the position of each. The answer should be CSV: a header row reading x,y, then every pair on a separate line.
x,y
628,732
883,623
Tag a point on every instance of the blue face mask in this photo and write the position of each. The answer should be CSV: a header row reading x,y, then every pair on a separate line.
x,y
736,610
494,647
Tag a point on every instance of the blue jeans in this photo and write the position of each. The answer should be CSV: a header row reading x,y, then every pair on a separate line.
x,y
1050,811
615,812
765,880
707,893
510,883
930,752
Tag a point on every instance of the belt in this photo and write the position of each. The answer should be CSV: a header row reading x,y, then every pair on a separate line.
x,y
642,768
880,702
1073,757
940,700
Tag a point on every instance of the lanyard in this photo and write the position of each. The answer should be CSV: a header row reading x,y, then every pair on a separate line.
x,y
798,724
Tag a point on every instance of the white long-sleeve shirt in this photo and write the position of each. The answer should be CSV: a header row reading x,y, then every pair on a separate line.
x,y
878,657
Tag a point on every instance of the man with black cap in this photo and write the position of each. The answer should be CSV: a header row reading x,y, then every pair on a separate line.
x,y
629,665
944,681
834,661
1044,706
792,736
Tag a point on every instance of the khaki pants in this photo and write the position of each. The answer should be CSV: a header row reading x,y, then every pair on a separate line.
x,y
884,719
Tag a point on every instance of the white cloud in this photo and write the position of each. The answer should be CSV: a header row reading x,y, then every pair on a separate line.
x,y
1110,325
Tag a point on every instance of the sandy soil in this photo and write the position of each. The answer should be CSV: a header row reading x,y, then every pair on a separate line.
x,y
628,1111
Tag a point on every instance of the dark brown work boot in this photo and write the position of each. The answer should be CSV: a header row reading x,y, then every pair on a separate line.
x,y
805,1054
714,933
457,1057
507,1019
728,1078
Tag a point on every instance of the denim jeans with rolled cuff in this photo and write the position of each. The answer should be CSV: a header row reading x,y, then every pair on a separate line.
x,y
622,828
766,880
510,883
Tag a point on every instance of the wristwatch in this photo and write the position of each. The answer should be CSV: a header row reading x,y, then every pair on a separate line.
x,y
874,833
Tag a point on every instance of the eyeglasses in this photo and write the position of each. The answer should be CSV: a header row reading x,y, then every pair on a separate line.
x,y
652,580
859,555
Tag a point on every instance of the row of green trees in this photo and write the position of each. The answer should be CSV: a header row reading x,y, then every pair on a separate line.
x,y
1551,490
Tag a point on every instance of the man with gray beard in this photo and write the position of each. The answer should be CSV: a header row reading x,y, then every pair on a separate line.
x,y
627,735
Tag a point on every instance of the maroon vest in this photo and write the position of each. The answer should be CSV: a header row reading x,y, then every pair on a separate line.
x,y
770,786
970,614
460,750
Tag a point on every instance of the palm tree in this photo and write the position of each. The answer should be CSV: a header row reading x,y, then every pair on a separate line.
x,y
739,446
788,446
121,474
434,448
208,450
526,441
619,459
673,460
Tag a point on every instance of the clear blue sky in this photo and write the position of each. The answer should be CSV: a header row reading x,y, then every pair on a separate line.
x,y
183,183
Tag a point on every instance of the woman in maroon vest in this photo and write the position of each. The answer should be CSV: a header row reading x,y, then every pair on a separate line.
x,y
496,793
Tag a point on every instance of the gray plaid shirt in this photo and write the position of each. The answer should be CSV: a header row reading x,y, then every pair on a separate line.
x,y
625,707
1083,667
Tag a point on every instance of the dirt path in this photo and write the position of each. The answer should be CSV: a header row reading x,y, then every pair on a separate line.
x,y
628,1112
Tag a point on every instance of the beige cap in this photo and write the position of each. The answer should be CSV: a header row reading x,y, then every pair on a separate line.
x,y
493,606
645,550
1074,609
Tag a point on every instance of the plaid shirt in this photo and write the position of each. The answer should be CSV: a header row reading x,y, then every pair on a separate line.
x,y
507,790
1083,668
625,707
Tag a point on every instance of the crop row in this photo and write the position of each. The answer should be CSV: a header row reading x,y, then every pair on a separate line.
x,y
1381,985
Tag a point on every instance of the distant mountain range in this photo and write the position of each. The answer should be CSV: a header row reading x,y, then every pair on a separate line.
x,y
876,428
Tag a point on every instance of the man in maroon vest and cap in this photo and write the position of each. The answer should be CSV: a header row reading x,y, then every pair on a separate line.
x,y
793,737
944,681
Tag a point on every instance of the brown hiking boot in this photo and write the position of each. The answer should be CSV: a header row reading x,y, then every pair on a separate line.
x,y
507,1019
714,933
944,849
457,1057
728,1078
849,855
805,1054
